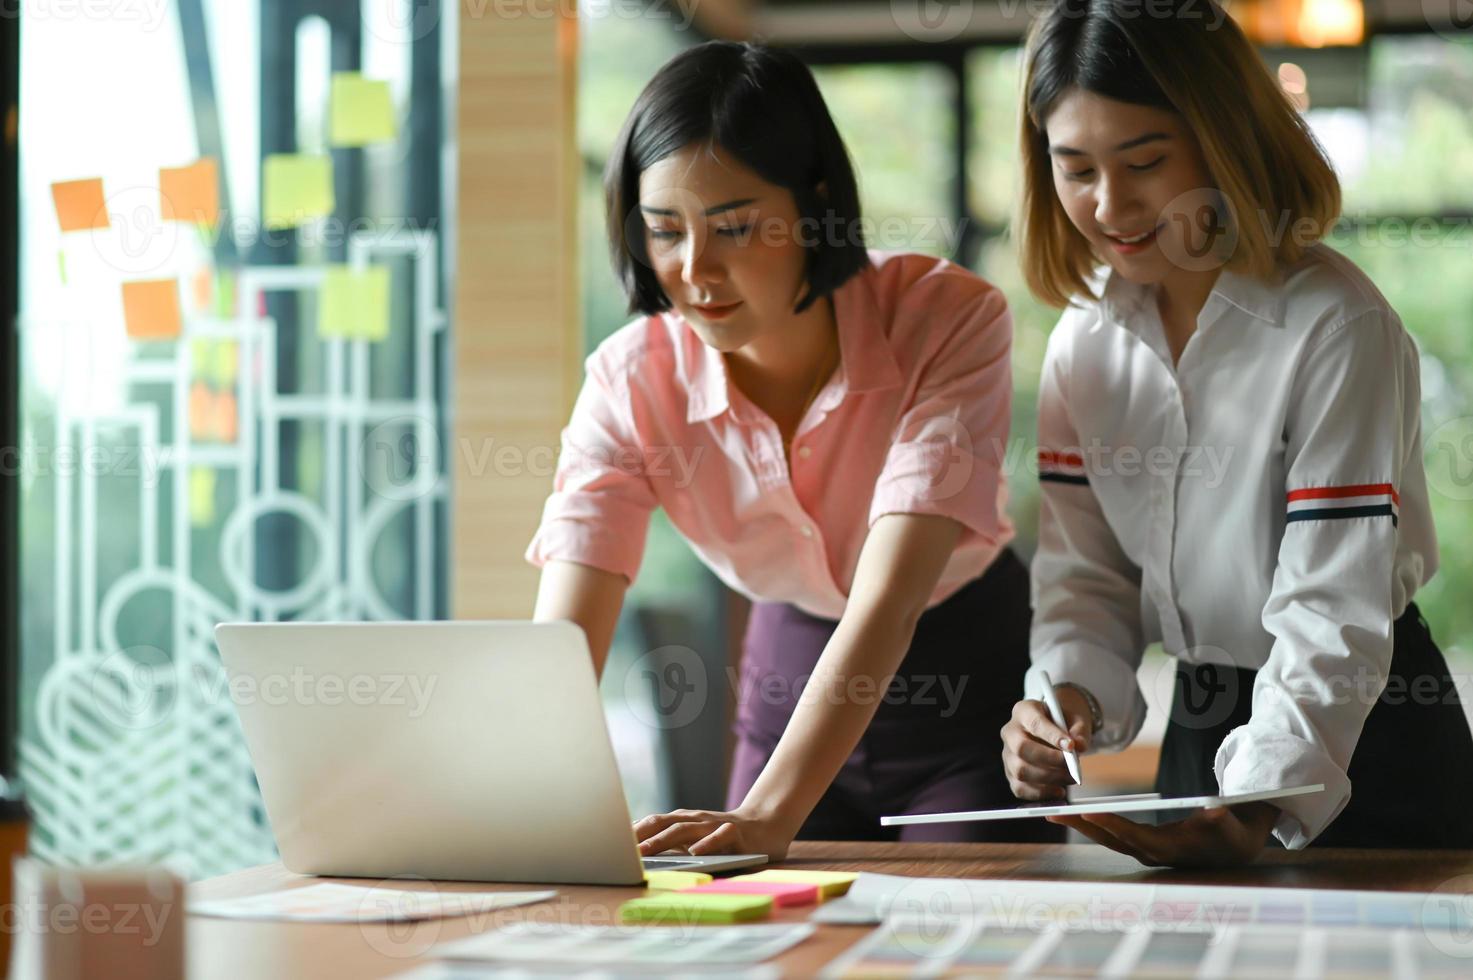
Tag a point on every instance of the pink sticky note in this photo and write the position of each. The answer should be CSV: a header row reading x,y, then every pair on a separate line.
x,y
784,894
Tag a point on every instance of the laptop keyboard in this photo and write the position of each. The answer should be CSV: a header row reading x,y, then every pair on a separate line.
x,y
669,862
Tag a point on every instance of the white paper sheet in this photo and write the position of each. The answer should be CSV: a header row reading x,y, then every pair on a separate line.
x,y
329,901
500,971
615,946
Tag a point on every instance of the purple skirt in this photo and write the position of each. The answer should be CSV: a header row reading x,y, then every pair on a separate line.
x,y
934,744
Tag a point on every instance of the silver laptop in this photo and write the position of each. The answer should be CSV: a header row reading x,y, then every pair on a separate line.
x,y
452,750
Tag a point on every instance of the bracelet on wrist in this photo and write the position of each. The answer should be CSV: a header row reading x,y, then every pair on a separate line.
x,y
1096,714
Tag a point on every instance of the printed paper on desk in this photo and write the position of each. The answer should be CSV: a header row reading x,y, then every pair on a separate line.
x,y
609,946
331,902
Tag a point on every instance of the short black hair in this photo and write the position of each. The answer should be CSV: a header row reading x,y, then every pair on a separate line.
x,y
761,106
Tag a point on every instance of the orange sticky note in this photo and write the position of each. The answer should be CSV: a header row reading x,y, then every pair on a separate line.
x,y
79,204
190,193
202,286
201,411
151,309
227,417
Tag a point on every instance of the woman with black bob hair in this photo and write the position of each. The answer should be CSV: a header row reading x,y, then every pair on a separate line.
x,y
835,416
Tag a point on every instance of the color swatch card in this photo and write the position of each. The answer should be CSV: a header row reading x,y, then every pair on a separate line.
x,y
331,902
908,946
874,898
622,946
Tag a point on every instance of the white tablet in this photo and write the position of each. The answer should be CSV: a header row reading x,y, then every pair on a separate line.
x,y
1133,803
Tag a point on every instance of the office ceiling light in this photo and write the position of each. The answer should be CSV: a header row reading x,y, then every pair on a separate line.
x,y
1302,23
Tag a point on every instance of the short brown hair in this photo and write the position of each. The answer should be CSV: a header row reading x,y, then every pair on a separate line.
x,y
1188,57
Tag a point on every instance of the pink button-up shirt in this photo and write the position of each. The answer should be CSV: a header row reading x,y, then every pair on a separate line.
x,y
914,421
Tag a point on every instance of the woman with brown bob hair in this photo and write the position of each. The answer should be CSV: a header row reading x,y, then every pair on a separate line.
x,y
1230,457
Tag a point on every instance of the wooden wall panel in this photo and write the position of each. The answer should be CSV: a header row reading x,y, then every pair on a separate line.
x,y
516,330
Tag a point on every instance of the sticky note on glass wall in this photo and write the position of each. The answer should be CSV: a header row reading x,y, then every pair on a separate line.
x,y
354,304
361,110
296,189
190,193
201,496
79,204
151,309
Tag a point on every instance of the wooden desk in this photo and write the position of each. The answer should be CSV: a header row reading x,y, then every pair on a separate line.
x,y
240,950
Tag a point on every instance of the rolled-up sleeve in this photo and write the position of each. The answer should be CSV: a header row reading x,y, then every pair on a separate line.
x,y
1350,430
598,513
944,457
1086,591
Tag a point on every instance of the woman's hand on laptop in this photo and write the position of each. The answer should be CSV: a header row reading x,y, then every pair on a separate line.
x,y
712,832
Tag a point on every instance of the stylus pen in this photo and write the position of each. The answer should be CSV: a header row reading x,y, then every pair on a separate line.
x,y
1071,758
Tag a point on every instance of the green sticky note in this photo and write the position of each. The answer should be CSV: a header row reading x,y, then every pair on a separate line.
x,y
354,305
61,265
681,908
295,188
360,110
224,294
831,884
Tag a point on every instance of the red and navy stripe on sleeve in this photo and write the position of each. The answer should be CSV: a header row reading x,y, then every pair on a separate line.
x,y
1342,503
1056,467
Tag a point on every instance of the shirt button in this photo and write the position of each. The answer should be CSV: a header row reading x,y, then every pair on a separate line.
x,y
806,531
805,451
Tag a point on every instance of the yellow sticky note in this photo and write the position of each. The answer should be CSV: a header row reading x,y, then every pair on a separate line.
x,y
79,204
225,364
831,884
201,497
190,193
674,881
361,111
354,305
296,188
151,309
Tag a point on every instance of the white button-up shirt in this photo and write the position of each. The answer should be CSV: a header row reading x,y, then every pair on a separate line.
x,y
1260,504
